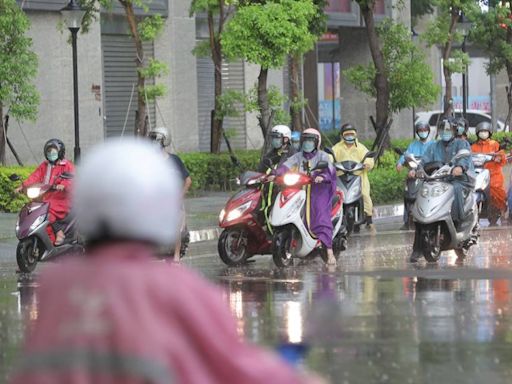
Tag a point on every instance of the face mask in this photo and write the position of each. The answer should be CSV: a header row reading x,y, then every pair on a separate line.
x,y
308,146
460,130
277,143
296,145
484,135
447,135
423,135
52,156
349,138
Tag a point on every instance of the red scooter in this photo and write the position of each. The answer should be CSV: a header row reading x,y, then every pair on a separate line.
x,y
245,233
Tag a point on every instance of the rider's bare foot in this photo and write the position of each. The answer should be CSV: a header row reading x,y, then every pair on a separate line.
x,y
59,237
331,260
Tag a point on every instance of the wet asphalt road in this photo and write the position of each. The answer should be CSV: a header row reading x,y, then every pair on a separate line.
x,y
373,319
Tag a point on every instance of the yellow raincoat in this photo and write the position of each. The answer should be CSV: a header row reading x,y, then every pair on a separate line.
x,y
356,152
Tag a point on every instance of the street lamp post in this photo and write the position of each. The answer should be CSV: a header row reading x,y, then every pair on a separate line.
x,y
73,14
464,27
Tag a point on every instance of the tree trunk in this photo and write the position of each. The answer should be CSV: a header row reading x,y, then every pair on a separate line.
x,y
2,136
218,119
295,93
447,50
263,104
509,73
381,77
140,123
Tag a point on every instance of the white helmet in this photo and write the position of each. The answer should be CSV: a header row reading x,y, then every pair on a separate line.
x,y
283,131
126,190
161,135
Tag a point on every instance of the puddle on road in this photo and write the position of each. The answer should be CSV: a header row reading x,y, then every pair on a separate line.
x,y
375,319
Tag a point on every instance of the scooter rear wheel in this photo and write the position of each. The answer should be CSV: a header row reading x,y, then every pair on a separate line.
x,y
26,255
232,246
281,247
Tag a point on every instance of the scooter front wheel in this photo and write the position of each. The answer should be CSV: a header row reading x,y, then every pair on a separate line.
x,y
27,255
232,246
281,247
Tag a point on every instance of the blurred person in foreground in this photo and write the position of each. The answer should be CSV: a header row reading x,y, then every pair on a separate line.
x,y
117,316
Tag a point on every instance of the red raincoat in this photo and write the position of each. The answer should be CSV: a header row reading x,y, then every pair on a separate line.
x,y
497,185
117,316
59,200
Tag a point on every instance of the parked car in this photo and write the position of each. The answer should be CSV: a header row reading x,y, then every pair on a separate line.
x,y
474,117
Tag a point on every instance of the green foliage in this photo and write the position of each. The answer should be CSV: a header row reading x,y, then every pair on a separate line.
x,y
18,64
150,27
386,185
202,49
266,33
420,8
10,201
231,103
411,80
276,101
492,31
154,68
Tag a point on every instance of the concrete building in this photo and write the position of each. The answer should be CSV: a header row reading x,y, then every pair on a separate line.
x,y
107,78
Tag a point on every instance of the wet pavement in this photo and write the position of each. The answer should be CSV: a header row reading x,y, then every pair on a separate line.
x,y
373,319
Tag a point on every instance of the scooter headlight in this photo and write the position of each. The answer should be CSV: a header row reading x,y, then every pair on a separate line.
x,y
291,179
37,222
238,212
33,192
438,190
424,192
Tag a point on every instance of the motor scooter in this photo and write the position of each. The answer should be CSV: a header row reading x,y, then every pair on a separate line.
x,y
435,230
350,183
411,188
482,187
35,244
292,238
245,232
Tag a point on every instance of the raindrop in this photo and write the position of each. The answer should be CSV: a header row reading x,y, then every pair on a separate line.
x,y
496,360
384,378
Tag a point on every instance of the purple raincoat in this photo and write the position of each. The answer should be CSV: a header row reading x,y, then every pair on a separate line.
x,y
321,194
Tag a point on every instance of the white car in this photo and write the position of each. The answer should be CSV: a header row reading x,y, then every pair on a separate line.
x,y
474,117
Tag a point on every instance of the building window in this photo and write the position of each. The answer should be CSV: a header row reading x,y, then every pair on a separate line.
x,y
338,6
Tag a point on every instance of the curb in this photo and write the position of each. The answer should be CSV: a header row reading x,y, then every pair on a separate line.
x,y
213,233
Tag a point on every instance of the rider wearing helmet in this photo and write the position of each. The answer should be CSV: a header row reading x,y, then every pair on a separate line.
x,y
350,149
49,172
322,191
416,148
462,128
443,151
282,148
485,144
296,140
160,135
120,316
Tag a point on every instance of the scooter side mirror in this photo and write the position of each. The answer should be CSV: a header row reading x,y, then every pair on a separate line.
x,y
14,177
321,165
461,154
329,151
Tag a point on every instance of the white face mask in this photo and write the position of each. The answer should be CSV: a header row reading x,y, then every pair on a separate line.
x,y
484,135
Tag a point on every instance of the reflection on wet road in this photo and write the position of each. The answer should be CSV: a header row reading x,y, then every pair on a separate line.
x,y
376,318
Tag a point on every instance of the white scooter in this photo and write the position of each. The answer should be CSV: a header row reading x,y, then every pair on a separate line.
x,y
482,187
435,229
292,239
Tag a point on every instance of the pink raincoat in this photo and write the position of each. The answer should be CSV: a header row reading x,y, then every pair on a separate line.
x,y
117,316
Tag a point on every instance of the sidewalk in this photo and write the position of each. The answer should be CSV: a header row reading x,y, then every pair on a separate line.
x,y
202,216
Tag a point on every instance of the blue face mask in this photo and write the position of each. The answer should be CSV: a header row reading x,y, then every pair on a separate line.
x,y
52,156
349,138
308,146
460,130
423,135
447,135
277,142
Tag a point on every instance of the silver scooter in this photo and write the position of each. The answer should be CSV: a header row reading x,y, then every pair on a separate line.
x,y
435,229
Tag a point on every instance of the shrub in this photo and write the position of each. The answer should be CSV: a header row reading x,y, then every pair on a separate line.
x,y
386,185
10,201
